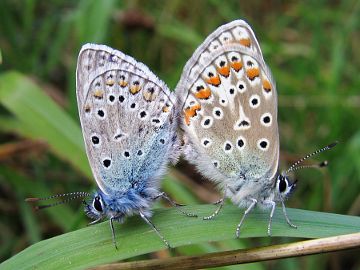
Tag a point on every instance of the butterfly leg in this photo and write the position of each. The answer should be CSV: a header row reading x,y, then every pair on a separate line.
x,y
113,231
247,211
220,203
174,204
273,205
286,216
95,221
148,221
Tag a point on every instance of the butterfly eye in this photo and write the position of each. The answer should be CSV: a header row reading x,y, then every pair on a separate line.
x,y
282,185
97,204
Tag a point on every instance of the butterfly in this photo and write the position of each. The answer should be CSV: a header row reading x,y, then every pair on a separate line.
x,y
229,120
129,124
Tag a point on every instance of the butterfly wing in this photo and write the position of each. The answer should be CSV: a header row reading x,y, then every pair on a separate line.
x,y
127,117
230,108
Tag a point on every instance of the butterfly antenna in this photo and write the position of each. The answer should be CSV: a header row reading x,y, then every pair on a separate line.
x,y
71,196
314,166
295,166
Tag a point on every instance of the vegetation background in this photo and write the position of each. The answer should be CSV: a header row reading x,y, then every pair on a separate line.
x,y
310,46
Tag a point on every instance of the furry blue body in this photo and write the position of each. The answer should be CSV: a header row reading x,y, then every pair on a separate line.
x,y
118,206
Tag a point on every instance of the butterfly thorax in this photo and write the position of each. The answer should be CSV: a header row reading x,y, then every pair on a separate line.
x,y
243,191
274,190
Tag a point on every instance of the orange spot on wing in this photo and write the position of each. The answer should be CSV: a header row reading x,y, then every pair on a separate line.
x,y
123,83
134,89
245,42
236,65
215,80
110,82
191,112
224,71
98,94
87,108
252,73
266,86
203,93
149,95
165,109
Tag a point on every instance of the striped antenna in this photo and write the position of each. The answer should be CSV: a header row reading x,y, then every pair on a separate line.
x,y
296,166
314,166
69,197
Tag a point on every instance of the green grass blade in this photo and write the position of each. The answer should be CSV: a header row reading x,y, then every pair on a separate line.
x,y
92,245
62,216
92,20
43,119
180,32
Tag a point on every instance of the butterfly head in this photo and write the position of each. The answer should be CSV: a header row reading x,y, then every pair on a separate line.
x,y
284,186
96,208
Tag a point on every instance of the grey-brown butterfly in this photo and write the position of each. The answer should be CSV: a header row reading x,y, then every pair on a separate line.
x,y
129,123
230,120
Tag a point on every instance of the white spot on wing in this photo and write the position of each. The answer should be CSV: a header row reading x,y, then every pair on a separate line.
x,y
254,101
228,147
106,162
263,144
216,163
266,119
111,99
240,142
133,106
240,33
95,140
243,122
101,113
119,135
214,45
206,142
156,121
241,86
226,37
218,113
204,58
207,122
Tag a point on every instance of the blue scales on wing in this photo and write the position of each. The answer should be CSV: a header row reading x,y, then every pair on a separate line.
x,y
128,120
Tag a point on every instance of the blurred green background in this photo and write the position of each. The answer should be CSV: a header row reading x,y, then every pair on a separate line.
x,y
310,46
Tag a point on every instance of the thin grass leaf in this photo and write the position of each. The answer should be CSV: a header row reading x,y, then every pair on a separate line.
x,y
43,119
62,216
180,32
93,19
12,125
30,223
93,246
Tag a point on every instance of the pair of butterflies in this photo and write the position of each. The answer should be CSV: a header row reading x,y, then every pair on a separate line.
x,y
225,105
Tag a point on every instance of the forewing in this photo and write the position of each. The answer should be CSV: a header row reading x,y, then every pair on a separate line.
x,y
230,107
128,119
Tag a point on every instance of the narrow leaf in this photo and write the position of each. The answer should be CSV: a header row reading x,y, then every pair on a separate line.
x,y
43,119
93,246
